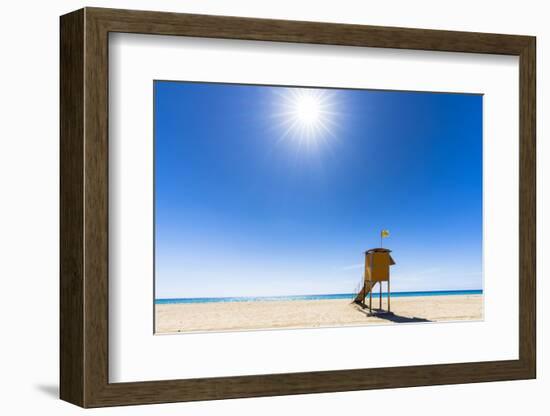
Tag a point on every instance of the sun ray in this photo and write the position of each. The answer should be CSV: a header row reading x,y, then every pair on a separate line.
x,y
306,116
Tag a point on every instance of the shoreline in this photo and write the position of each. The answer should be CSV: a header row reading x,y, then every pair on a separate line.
x,y
343,296
326,313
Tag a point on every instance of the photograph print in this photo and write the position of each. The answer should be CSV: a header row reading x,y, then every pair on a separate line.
x,y
284,207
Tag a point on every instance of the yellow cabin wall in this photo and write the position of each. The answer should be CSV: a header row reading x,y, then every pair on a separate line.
x,y
377,266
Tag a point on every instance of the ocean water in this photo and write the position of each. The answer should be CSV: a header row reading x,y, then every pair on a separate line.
x,y
315,297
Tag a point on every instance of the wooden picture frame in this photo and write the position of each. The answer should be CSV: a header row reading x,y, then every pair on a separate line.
x,y
84,207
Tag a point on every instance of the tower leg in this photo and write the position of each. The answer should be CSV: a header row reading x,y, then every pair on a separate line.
x,y
370,298
380,298
389,295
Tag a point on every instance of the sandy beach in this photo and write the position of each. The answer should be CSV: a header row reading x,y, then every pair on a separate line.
x,y
232,316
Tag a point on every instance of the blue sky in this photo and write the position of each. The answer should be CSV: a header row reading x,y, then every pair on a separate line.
x,y
245,206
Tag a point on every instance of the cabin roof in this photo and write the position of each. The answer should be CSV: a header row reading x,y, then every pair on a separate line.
x,y
378,250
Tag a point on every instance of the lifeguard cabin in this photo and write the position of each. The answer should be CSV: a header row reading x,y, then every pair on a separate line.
x,y
377,270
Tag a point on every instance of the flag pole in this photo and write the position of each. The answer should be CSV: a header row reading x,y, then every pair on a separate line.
x,y
383,233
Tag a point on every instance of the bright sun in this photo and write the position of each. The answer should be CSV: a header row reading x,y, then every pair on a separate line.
x,y
306,115
308,109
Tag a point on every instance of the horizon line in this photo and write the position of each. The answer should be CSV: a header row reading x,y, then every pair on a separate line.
x,y
320,294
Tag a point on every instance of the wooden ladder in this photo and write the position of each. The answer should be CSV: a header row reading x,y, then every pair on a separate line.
x,y
367,288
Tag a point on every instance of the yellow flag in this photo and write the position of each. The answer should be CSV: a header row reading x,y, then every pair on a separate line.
x,y
384,233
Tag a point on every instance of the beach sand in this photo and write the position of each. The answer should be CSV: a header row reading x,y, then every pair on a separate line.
x,y
233,316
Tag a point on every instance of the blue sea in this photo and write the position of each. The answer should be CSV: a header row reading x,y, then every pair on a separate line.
x,y
315,297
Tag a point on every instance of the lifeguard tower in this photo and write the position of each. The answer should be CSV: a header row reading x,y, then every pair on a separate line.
x,y
377,270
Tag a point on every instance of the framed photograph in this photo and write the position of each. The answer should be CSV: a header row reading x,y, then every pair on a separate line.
x,y
255,207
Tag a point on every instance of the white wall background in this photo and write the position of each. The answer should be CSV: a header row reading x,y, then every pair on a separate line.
x,y
29,206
